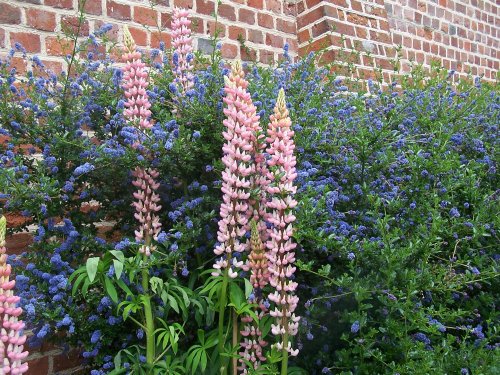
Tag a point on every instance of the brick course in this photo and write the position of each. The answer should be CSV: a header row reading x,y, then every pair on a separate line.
x,y
461,35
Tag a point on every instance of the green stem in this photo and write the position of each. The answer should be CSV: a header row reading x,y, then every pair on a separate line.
x,y
148,316
235,341
284,360
222,308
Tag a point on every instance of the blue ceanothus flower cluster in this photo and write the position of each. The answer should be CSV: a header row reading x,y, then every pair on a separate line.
x,y
396,225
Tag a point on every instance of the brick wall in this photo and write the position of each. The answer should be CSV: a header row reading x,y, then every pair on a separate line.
x,y
462,35
263,25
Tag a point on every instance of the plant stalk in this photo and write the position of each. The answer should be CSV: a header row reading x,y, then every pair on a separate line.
x,y
222,308
148,313
235,341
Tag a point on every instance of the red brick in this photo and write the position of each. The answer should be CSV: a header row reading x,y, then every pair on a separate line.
x,y
274,41
17,63
10,14
58,47
111,34
229,51
197,25
145,16
343,28
265,20
274,6
259,4
38,366
357,19
227,11
2,38
248,54
304,36
66,361
211,28
310,17
93,7
356,5
266,57
118,11
236,33
246,16
71,24
255,36
286,26
140,36
63,4
188,4
19,242
28,40
311,3
321,28
50,65
41,19
205,7
156,38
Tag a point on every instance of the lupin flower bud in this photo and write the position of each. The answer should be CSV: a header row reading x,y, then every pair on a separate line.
x,y
280,204
146,208
135,76
238,134
252,342
183,49
12,338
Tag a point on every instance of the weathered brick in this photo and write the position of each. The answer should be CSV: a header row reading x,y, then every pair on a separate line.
x,y
265,20
274,41
246,16
156,38
10,14
255,36
62,4
57,46
73,25
140,36
236,33
93,7
30,41
227,11
118,10
259,4
205,7
229,51
41,19
145,16
274,6
286,26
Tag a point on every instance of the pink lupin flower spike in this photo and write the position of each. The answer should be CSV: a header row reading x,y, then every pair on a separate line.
x,y
146,208
135,76
280,204
252,341
183,49
12,338
233,224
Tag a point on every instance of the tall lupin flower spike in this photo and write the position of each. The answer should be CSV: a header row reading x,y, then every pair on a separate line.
x,y
12,339
252,342
135,77
146,207
237,159
280,247
183,53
